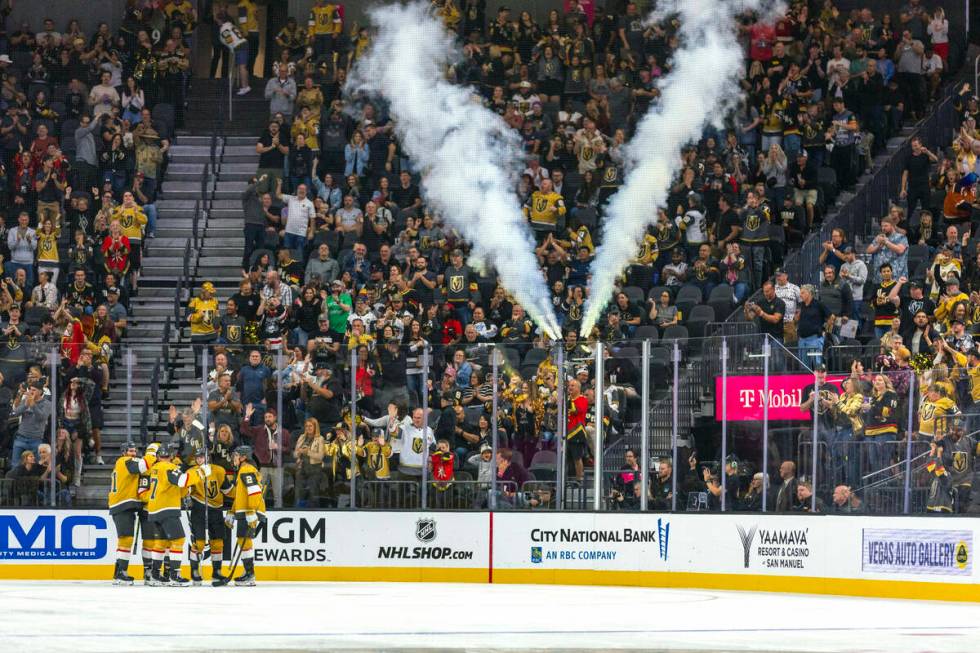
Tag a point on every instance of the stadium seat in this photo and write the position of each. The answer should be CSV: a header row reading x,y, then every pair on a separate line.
x,y
656,291
534,356
634,293
163,114
701,315
677,333
687,298
722,300
640,276
917,254
473,413
647,332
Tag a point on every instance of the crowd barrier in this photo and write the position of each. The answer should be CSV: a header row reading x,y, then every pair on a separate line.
x,y
696,406
901,557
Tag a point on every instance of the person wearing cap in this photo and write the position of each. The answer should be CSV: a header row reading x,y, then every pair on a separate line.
x,y
460,287
692,224
790,294
949,298
204,316
812,318
802,176
854,273
891,247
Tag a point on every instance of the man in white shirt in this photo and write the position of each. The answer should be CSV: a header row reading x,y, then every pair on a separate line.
x,y
300,216
790,294
415,443
103,96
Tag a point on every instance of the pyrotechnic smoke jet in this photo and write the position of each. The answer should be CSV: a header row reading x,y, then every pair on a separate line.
x,y
702,88
468,155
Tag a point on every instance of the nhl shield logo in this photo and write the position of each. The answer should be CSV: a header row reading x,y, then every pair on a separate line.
x,y
536,555
425,530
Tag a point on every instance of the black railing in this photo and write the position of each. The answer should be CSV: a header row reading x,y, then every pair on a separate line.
x,y
144,421
195,220
167,325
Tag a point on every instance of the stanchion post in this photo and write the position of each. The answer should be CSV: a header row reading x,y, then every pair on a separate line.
x,y
597,469
493,437
645,426
425,425
724,421
352,441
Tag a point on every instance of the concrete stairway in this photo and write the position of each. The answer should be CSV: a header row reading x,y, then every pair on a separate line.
x,y
217,259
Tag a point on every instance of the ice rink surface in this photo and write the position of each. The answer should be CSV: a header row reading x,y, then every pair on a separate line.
x,y
95,616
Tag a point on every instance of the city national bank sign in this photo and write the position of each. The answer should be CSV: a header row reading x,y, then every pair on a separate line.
x,y
596,544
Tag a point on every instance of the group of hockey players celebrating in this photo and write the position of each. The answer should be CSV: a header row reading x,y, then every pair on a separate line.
x,y
147,495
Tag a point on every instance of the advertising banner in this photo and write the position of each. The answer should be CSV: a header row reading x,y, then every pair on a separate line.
x,y
745,397
913,551
582,541
355,539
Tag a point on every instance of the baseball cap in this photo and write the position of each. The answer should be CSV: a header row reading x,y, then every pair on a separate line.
x,y
525,84
485,447
780,271
848,250
820,368
953,280
112,290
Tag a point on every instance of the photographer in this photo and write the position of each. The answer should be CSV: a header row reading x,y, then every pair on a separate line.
x,y
769,312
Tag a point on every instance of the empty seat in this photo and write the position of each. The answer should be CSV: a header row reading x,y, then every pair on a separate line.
x,y
679,334
647,332
722,300
634,293
534,357
687,298
701,315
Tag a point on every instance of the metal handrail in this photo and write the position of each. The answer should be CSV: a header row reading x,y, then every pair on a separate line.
x,y
166,339
144,421
187,260
196,220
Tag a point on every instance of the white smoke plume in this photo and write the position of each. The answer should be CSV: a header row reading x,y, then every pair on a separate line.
x,y
467,153
702,88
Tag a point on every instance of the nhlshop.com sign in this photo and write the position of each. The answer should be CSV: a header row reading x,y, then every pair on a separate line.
x,y
746,397
946,553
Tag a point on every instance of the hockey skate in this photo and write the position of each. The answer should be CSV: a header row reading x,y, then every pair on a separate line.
x,y
120,577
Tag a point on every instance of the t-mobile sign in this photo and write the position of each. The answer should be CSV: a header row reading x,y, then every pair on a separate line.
x,y
746,397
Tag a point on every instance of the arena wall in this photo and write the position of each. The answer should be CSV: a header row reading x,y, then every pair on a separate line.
x,y
915,557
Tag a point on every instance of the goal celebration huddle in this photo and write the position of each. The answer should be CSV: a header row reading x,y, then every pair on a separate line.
x,y
149,492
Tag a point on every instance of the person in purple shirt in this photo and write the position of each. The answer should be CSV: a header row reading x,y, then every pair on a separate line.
x,y
511,477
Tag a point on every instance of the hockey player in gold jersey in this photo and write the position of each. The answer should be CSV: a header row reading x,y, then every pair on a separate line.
x,y
124,506
167,483
207,497
247,509
148,531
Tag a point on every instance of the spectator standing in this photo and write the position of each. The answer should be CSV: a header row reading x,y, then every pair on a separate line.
x,y
854,272
891,247
916,177
34,410
300,218
280,91
811,319
769,311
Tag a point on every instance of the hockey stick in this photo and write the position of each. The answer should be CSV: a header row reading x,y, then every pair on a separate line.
x,y
237,553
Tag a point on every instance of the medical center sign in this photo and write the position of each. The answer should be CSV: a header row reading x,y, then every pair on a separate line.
x,y
746,396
